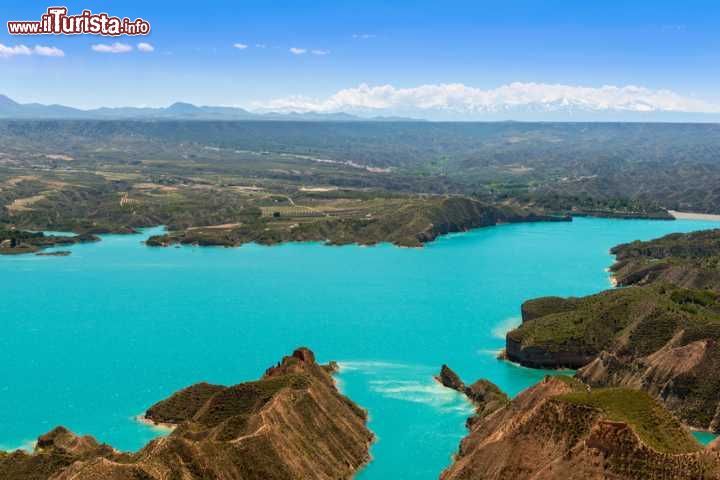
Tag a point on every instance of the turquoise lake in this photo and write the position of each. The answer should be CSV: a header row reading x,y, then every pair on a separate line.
x,y
91,340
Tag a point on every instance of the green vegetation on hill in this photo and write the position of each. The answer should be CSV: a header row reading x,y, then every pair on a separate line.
x,y
598,167
637,321
292,423
655,426
120,175
688,260
693,245
18,241
182,405
540,307
409,221
660,335
560,428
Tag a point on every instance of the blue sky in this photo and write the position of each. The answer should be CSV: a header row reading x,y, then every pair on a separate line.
x,y
481,44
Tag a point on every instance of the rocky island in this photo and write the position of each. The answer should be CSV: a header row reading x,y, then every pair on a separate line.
x,y
292,424
13,242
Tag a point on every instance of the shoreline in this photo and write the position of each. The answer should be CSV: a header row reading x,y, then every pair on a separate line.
x,y
675,215
165,427
694,216
703,430
611,277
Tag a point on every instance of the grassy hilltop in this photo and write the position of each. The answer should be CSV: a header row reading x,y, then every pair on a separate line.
x,y
561,429
291,424
661,334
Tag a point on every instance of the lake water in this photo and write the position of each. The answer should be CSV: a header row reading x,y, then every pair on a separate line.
x,y
90,340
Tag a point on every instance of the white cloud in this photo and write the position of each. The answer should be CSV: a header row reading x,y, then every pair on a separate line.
x,y
13,51
456,98
298,51
116,47
145,47
320,52
240,46
364,36
43,51
48,51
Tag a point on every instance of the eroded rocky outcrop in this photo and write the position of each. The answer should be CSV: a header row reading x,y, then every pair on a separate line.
x,y
448,378
291,424
682,375
458,214
658,338
483,394
688,260
540,356
558,429
570,333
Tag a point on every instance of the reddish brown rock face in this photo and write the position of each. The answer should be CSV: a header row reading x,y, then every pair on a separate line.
x,y
483,394
661,339
450,379
292,424
541,435
681,259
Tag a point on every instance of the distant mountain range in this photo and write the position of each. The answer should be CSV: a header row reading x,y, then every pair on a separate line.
x,y
10,109
530,112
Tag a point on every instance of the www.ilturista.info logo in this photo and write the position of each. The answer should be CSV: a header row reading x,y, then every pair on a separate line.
x,y
57,22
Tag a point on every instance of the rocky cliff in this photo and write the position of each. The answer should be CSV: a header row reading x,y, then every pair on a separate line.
x,y
458,214
569,333
412,224
558,429
660,335
291,424
484,395
690,260
684,375
658,338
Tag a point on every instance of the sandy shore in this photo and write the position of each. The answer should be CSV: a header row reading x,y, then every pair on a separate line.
x,y
611,277
318,189
216,227
164,427
694,216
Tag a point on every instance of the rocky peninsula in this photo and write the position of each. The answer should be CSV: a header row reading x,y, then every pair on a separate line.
x,y
483,394
13,242
688,260
292,424
411,224
661,334
560,429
